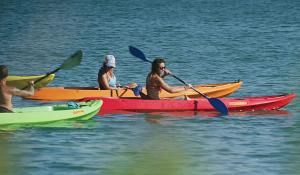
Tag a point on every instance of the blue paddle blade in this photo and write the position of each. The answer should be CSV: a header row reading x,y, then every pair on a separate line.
x,y
138,53
218,105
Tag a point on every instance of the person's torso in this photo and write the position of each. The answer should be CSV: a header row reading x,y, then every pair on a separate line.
x,y
5,97
111,79
152,87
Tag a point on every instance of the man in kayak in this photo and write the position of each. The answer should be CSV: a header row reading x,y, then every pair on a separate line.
x,y
106,77
155,80
6,92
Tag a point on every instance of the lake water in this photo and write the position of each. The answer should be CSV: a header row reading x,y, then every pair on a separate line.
x,y
203,41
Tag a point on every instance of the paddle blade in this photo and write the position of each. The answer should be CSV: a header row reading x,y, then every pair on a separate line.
x,y
72,61
138,53
218,105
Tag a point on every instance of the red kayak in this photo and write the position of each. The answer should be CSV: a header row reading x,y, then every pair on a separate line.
x,y
110,105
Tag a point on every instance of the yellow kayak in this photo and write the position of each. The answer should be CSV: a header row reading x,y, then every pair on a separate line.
x,y
22,81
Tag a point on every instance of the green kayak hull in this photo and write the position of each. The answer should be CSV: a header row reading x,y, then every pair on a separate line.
x,y
48,114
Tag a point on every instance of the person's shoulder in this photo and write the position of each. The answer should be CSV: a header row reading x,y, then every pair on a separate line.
x,y
10,90
153,76
13,88
158,78
101,74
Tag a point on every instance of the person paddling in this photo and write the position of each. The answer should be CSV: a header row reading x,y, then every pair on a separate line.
x,y
155,80
106,77
6,92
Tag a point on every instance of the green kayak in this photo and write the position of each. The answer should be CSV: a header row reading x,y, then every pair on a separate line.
x,y
48,114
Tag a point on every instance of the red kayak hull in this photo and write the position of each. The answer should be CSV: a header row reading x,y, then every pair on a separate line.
x,y
110,105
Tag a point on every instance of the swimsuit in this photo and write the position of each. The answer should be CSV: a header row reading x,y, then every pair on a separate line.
x,y
152,89
112,81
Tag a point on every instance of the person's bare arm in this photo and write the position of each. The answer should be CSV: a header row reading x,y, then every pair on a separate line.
x,y
24,93
168,88
104,82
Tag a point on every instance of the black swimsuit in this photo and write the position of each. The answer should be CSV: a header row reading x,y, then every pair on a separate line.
x,y
3,109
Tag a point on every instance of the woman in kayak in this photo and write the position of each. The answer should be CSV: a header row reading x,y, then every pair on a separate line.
x,y
6,92
106,77
155,80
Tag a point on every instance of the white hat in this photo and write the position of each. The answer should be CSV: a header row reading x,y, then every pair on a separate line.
x,y
110,61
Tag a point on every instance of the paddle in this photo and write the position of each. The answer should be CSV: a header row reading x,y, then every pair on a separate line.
x,y
216,103
72,61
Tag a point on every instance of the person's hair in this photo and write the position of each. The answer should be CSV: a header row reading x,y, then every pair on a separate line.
x,y
3,72
155,65
104,68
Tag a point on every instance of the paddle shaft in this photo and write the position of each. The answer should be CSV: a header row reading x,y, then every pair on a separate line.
x,y
40,79
187,85
216,103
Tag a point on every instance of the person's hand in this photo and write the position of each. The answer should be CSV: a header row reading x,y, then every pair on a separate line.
x,y
167,71
188,86
31,83
119,85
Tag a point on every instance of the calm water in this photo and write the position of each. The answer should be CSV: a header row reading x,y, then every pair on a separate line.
x,y
203,41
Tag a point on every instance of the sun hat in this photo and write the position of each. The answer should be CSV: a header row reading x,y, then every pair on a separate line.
x,y
110,61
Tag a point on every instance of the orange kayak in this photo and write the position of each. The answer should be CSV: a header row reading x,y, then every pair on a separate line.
x,y
77,93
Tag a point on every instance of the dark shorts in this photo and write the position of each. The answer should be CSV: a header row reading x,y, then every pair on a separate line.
x,y
3,109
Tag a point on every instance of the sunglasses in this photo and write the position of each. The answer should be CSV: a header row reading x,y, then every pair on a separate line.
x,y
162,68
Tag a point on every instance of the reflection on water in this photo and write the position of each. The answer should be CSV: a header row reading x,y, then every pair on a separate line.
x,y
11,155
158,153
7,165
204,114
